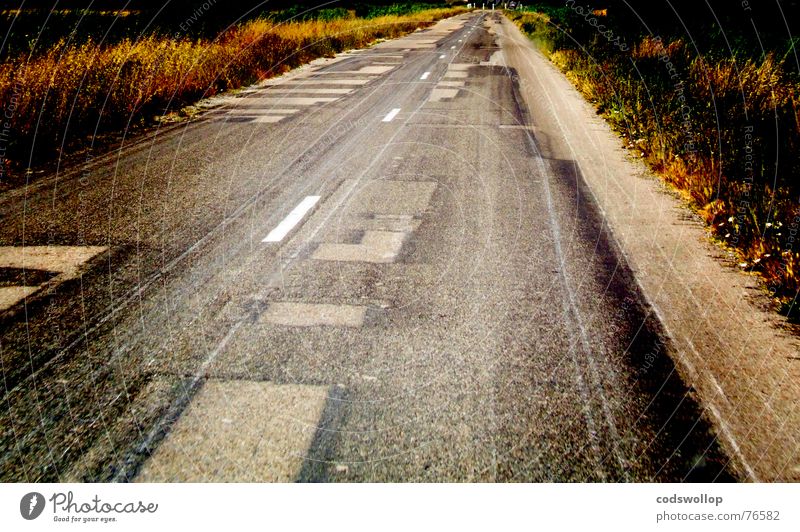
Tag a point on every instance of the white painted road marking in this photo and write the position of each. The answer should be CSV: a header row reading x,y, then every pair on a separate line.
x,y
425,75
391,115
283,228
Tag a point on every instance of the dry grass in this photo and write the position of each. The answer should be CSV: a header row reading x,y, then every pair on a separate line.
x,y
58,99
724,132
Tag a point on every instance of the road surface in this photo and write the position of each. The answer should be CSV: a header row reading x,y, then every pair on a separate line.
x,y
366,270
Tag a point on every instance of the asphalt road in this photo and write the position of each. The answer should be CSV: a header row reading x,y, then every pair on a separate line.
x,y
365,271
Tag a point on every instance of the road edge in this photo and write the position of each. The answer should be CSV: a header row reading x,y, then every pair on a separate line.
x,y
738,360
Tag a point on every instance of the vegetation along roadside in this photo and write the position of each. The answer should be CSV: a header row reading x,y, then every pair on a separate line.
x,y
708,97
61,95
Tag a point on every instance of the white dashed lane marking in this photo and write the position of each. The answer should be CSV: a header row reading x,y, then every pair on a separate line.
x,y
393,113
294,217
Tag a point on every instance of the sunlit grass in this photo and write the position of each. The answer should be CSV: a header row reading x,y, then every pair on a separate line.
x,y
71,92
724,131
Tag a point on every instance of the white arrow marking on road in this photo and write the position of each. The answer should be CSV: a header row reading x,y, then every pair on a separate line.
x,y
391,115
297,214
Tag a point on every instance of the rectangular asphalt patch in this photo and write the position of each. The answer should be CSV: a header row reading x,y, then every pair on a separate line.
x,y
295,314
376,246
239,431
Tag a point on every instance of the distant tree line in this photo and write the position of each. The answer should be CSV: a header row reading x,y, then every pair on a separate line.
x,y
751,27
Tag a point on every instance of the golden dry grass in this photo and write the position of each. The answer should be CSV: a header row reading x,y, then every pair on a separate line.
x,y
724,131
73,92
